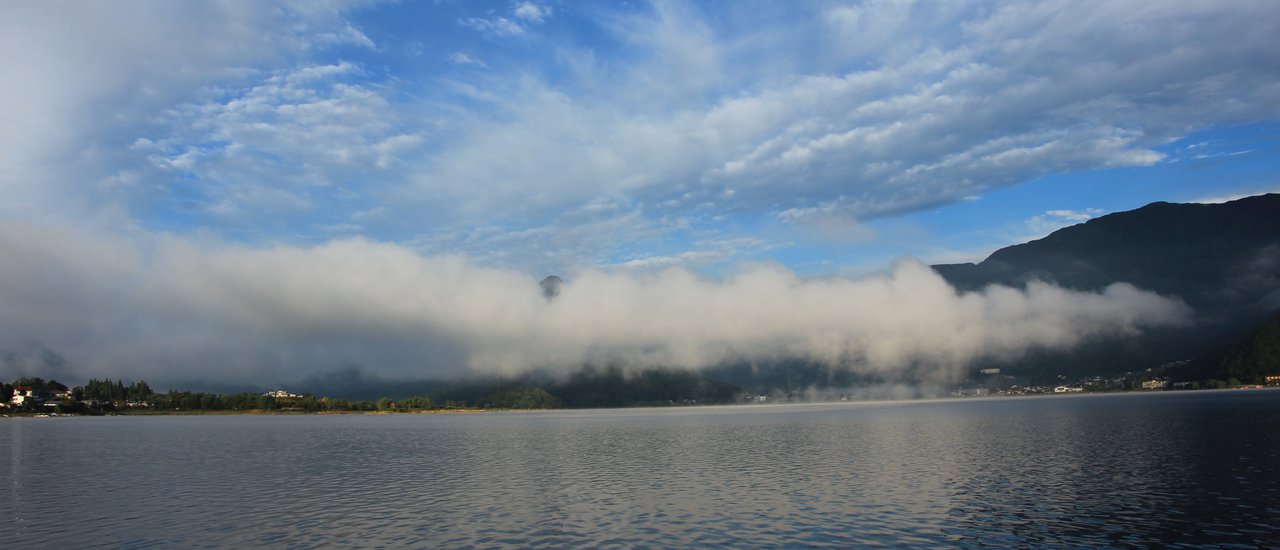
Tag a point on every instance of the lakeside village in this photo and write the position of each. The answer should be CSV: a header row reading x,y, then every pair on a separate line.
x,y
37,397
990,381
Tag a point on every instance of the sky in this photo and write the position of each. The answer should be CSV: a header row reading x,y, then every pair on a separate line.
x,y
267,189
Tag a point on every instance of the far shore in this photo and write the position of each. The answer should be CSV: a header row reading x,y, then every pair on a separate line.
x,y
267,412
285,412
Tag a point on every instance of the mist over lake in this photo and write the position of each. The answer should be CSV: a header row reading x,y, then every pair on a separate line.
x,y
1131,469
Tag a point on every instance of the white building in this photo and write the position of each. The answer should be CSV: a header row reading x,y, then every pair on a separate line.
x,y
21,395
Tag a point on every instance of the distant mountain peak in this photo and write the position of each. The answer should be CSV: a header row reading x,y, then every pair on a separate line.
x,y
551,286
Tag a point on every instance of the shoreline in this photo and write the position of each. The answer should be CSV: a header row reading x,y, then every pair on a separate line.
x,y
248,412
280,412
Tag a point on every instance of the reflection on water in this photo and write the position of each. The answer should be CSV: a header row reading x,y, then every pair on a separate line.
x,y
1155,469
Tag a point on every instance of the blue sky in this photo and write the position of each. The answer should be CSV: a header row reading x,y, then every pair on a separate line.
x,y
825,138
828,136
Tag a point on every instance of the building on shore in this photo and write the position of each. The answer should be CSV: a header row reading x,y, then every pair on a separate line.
x,y
1157,384
24,395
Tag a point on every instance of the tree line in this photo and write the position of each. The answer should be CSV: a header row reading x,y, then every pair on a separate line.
x,y
589,386
105,396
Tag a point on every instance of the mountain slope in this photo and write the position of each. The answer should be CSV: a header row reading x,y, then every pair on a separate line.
x,y
1255,358
1203,253
1221,259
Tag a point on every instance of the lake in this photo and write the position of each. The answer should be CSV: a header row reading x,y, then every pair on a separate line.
x,y
1174,468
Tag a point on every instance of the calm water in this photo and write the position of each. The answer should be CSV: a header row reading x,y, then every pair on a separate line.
x,y
1119,470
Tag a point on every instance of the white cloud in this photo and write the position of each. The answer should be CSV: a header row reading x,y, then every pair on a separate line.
x,y
460,58
496,26
1010,93
705,253
1074,216
665,262
1053,220
288,133
830,223
522,15
532,12
91,74
176,309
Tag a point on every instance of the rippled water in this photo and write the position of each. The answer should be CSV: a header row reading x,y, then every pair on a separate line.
x,y
1154,469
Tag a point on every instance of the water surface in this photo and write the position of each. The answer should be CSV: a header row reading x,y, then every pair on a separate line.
x,y
1188,468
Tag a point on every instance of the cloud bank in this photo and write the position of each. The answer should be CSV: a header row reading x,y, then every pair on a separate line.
x,y
173,308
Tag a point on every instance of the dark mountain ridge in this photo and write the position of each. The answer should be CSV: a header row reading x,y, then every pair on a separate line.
x,y
1223,260
1193,251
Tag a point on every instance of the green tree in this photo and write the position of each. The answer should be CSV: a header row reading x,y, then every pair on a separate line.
x,y
415,403
1257,356
138,391
521,396
34,382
